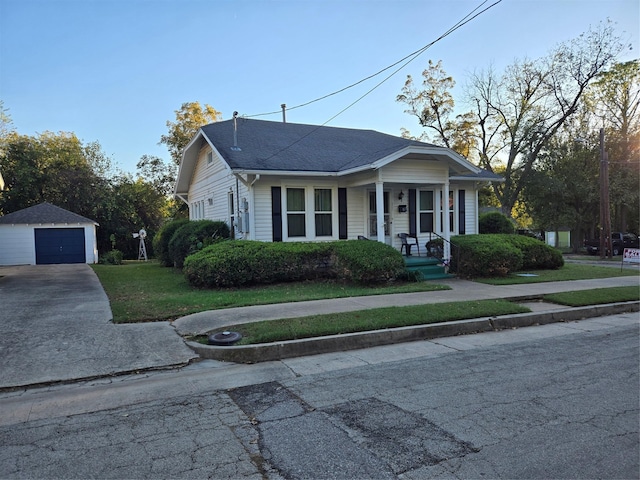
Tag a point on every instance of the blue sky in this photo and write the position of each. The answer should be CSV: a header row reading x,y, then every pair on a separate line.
x,y
114,71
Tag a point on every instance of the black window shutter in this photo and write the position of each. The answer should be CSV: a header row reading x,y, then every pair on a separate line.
x,y
461,213
342,213
413,230
276,214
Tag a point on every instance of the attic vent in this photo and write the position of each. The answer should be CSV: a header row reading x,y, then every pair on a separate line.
x,y
235,147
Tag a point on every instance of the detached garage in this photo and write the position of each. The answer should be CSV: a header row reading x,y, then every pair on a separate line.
x,y
46,234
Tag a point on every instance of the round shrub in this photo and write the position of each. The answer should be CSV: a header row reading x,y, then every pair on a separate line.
x,y
484,256
161,241
193,236
495,222
535,253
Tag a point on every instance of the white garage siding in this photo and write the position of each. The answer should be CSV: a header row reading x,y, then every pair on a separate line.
x,y
17,245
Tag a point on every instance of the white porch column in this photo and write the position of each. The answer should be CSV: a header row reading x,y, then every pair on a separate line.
x,y
445,220
380,210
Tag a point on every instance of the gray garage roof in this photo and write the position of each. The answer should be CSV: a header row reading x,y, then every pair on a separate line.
x,y
43,213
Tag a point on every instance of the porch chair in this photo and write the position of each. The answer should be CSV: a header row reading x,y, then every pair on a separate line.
x,y
408,241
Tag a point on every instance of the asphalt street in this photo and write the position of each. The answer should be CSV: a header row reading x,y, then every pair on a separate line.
x,y
553,401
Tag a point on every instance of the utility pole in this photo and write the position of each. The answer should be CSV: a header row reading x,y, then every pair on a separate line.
x,y
605,211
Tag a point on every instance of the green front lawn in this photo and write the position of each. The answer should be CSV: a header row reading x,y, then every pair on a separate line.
x,y
145,291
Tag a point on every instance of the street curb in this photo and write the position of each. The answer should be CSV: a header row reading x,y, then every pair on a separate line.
x,y
265,352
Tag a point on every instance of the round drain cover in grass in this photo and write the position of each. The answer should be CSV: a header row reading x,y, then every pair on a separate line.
x,y
224,338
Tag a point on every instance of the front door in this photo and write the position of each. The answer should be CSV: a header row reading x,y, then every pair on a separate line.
x,y
373,223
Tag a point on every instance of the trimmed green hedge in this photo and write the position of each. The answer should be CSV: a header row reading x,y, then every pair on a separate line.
x,y
498,255
194,236
243,262
536,255
162,238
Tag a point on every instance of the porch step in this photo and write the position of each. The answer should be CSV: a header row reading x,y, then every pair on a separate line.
x,y
430,268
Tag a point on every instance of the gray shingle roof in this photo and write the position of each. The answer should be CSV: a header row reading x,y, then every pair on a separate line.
x,y
43,213
266,145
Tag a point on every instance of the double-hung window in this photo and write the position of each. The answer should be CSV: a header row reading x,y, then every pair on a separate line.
x,y
309,212
323,212
426,211
296,212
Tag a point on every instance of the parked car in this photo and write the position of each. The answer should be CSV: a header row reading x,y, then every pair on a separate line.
x,y
619,241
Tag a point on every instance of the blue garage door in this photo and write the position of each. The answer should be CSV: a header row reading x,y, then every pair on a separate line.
x,y
59,245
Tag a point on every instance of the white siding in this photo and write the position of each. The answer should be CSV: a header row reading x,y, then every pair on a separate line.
x,y
414,172
209,189
356,212
262,213
17,245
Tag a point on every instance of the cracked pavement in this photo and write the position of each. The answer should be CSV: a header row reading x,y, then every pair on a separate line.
x,y
554,401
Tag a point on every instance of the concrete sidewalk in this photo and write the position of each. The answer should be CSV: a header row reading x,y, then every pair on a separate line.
x,y
461,290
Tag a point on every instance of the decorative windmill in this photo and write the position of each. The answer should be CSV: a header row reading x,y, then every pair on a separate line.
x,y
142,250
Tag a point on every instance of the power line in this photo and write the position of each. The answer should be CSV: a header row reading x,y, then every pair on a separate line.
x,y
409,58
412,56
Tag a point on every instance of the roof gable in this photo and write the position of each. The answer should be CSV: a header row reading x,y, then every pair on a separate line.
x,y
43,213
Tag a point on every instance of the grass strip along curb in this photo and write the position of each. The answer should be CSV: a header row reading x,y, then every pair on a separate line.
x,y
372,319
596,296
341,343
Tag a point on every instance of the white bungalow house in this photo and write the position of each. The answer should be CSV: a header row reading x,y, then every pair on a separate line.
x,y
277,181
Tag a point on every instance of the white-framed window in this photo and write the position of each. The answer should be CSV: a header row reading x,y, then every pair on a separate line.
x,y
310,212
323,211
451,203
196,210
426,210
209,158
296,212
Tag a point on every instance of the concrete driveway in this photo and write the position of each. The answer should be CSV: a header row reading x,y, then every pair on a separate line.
x,y
56,326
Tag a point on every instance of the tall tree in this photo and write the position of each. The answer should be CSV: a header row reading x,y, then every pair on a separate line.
x,y
615,102
517,113
532,100
157,172
189,119
50,167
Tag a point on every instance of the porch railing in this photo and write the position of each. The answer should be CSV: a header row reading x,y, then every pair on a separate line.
x,y
452,247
